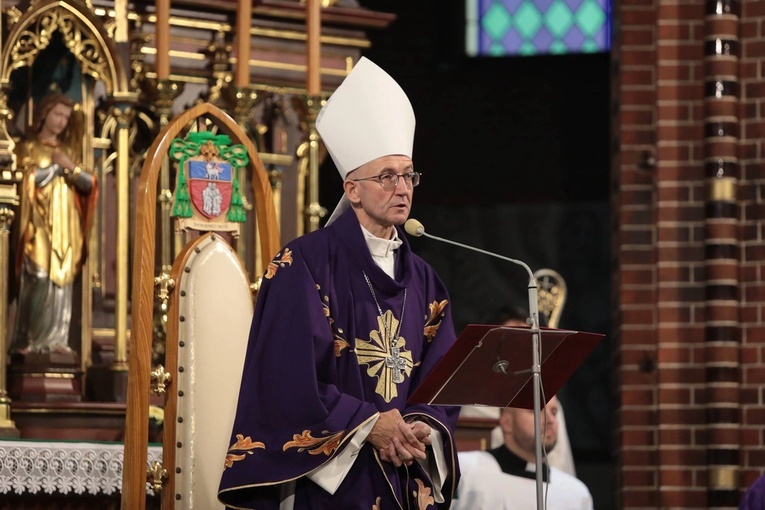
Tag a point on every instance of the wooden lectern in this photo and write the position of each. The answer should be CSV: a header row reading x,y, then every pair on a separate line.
x,y
492,365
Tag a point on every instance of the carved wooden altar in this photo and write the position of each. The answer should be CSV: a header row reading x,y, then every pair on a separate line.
x,y
109,54
72,475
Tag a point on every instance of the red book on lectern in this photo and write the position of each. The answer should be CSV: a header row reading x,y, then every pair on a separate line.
x,y
491,365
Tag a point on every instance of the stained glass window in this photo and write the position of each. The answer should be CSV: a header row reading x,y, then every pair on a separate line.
x,y
531,27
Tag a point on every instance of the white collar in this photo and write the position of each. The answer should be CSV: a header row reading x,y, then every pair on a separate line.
x,y
380,247
382,250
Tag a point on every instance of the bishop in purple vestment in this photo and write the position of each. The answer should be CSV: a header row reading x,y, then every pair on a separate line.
x,y
348,323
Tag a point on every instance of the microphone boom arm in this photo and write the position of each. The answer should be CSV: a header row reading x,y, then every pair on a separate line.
x,y
415,228
479,250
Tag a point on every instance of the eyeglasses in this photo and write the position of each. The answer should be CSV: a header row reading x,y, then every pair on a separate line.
x,y
389,181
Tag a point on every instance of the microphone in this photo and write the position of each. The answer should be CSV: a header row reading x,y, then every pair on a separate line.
x,y
415,228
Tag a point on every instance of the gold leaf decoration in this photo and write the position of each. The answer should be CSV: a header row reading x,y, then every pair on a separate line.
x,y
315,445
13,15
434,321
340,344
244,445
37,34
281,260
424,499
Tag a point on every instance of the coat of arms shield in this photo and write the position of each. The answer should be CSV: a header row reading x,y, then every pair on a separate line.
x,y
207,195
210,184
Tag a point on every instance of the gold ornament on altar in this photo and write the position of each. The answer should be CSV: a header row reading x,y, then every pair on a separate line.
x,y
324,3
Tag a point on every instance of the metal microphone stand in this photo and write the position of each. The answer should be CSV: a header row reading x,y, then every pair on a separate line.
x,y
536,381
536,367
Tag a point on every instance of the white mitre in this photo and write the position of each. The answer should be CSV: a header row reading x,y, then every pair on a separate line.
x,y
367,117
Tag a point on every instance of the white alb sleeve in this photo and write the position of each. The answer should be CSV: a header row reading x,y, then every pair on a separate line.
x,y
330,475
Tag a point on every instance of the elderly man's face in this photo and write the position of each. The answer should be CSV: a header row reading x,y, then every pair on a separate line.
x,y
379,209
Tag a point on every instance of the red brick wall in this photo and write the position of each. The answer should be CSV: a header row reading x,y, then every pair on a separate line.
x,y
636,272
752,228
689,275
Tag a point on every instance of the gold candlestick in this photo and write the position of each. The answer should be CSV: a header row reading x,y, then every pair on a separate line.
x,y
217,55
244,101
165,93
314,211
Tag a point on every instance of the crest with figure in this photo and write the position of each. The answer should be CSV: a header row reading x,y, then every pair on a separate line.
x,y
207,194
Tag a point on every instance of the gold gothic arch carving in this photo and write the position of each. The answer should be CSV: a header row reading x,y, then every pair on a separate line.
x,y
83,33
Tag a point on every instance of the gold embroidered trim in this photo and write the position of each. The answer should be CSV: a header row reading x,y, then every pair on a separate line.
x,y
281,260
243,444
424,499
315,445
444,429
434,321
340,342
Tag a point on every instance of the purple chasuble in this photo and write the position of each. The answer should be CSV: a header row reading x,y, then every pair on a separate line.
x,y
321,361
754,497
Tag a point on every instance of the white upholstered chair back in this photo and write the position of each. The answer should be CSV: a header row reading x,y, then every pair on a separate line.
x,y
208,320
214,311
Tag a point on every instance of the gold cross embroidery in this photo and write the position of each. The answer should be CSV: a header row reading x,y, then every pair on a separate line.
x,y
387,359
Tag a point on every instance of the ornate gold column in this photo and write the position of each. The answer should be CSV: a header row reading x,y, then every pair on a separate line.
x,y
165,92
217,54
244,100
276,160
122,112
314,211
7,427
9,200
7,145
121,21
275,178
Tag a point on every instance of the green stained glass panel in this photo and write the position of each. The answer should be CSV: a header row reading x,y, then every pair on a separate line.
x,y
590,17
558,19
496,22
528,20
529,27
